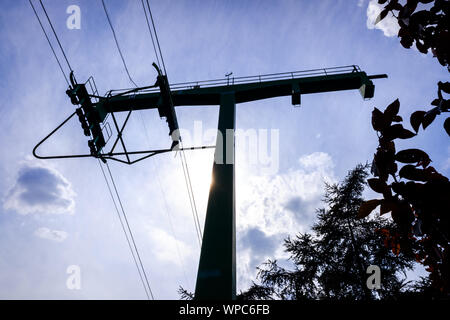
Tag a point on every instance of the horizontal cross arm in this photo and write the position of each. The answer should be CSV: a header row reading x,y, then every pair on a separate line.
x,y
246,92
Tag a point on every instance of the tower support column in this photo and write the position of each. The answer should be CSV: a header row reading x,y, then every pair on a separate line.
x,y
216,277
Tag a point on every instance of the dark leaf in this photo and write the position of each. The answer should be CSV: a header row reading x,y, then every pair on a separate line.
x,y
382,160
378,120
439,92
398,187
437,7
387,194
416,119
406,134
423,163
406,41
412,190
422,47
397,119
432,174
387,206
421,17
392,132
411,156
445,105
447,125
410,172
403,32
397,131
444,86
412,4
374,169
382,1
377,185
429,117
403,23
393,5
402,215
367,207
392,110
381,16
390,147
392,168
436,102
405,12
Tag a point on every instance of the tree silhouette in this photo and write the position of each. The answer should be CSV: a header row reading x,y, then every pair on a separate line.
x,y
417,196
331,262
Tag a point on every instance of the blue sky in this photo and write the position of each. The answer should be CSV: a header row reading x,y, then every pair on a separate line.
x,y
58,213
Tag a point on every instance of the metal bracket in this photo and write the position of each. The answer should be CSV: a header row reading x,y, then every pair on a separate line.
x,y
296,95
109,155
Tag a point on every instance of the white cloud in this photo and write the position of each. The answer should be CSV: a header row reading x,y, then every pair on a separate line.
x,y
54,235
388,25
167,248
40,189
317,161
360,3
265,199
272,207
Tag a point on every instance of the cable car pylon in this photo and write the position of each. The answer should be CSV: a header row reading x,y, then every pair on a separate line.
x,y
216,276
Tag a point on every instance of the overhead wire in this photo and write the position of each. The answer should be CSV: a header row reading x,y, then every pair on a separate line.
x,y
136,256
183,155
49,42
156,36
160,60
107,165
124,230
166,205
151,33
56,36
129,230
117,44
187,179
145,128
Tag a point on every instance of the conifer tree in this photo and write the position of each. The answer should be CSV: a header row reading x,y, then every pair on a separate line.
x,y
331,261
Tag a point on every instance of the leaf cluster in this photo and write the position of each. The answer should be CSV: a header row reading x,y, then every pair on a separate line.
x,y
428,28
417,196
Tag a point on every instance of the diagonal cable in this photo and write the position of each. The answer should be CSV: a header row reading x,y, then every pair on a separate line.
x,y
117,44
125,232
49,43
56,36
129,229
